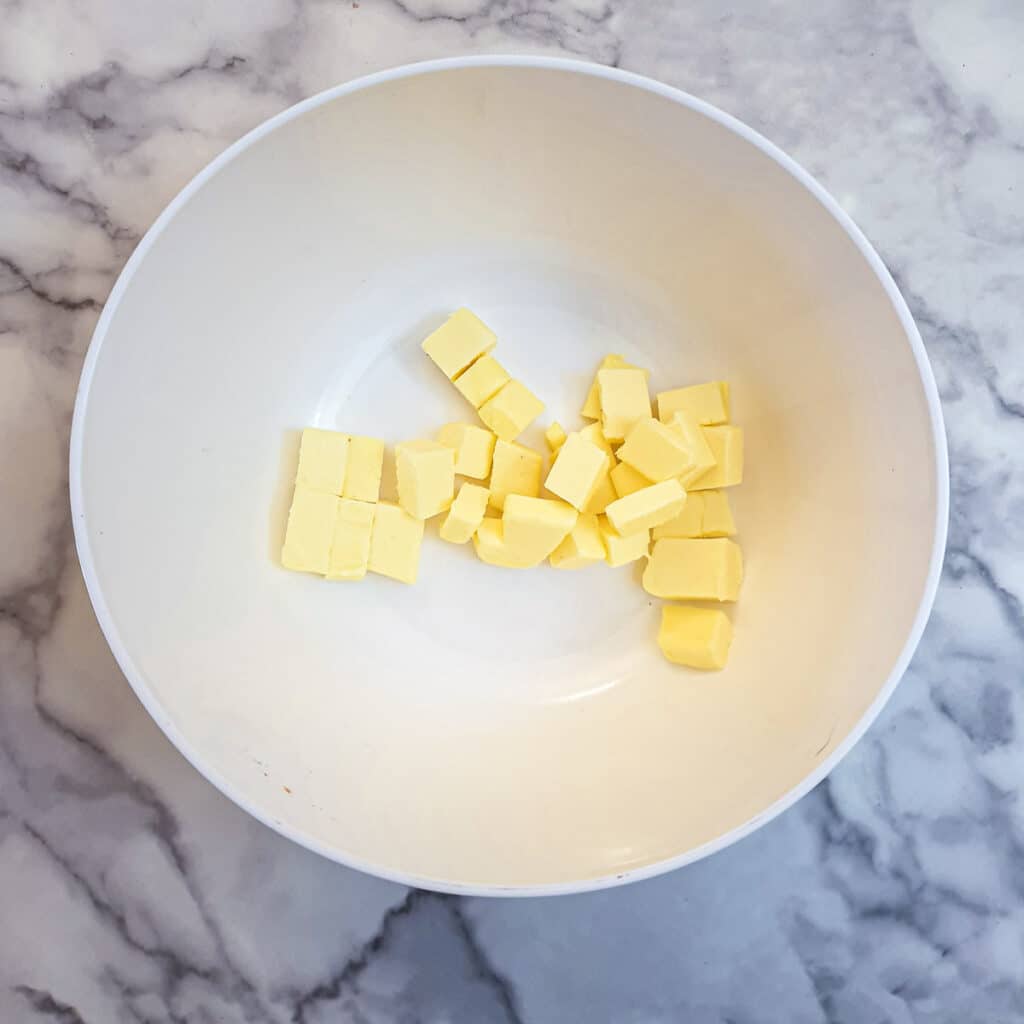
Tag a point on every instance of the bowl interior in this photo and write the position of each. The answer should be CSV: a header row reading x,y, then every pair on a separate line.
x,y
488,727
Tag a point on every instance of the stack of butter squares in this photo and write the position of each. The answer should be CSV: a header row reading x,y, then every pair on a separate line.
x,y
627,486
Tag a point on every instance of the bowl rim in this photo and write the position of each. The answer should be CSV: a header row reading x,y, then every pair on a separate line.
x,y
136,678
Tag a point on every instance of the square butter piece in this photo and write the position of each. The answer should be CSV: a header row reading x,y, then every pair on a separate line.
x,y
395,540
458,342
726,444
466,514
689,522
491,547
511,410
365,462
515,469
536,525
310,531
323,457
648,507
592,406
658,451
426,477
694,570
481,381
708,403
695,637
350,548
624,401
474,448
621,550
582,547
555,437
578,469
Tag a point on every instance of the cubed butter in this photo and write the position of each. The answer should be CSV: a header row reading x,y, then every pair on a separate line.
x,y
461,340
624,401
699,454
323,457
491,547
481,381
473,446
592,406
695,570
619,550
593,433
536,525
515,469
578,469
350,549
511,410
426,477
695,637
626,480
583,546
365,462
657,451
395,543
726,444
555,437
717,520
709,403
689,522
310,530
466,514
648,507
605,493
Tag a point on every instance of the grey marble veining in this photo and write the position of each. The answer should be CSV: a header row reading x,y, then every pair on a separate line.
x,y
130,890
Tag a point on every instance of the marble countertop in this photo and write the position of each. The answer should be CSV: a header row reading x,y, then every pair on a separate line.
x,y
130,890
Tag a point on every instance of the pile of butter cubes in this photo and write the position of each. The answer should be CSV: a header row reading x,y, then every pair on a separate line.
x,y
615,486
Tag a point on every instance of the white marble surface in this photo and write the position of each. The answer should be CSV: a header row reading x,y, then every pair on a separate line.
x,y
131,891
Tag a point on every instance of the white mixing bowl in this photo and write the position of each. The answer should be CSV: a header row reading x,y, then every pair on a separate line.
x,y
486,730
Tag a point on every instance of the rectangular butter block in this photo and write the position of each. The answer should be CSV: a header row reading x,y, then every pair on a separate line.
x,y
515,469
700,456
365,462
583,546
717,520
555,437
473,446
726,444
536,525
395,540
695,570
578,469
592,406
426,477
709,403
461,340
657,451
511,410
350,548
626,480
624,401
621,550
310,530
689,522
695,637
481,381
466,514
323,457
648,507
490,546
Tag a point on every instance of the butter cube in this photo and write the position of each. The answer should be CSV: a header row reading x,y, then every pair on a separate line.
x,y
515,469
511,410
461,340
310,530
583,546
592,406
474,448
491,547
466,514
323,457
697,570
578,469
555,437
365,462
658,451
481,381
395,543
691,433
621,550
717,520
624,401
696,637
536,525
687,523
726,444
708,403
605,493
626,480
650,506
592,432
350,548
426,477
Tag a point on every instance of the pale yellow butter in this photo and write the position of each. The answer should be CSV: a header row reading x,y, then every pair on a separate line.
x,y
536,526
395,543
555,437
717,520
692,435
621,550
323,458
604,493
460,341
709,403
696,570
695,637
310,530
426,477
365,463
490,546
688,522
511,410
515,469
648,507
473,446
583,546
350,548
481,381
624,401
578,469
726,445
592,406
626,480
466,514
657,451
